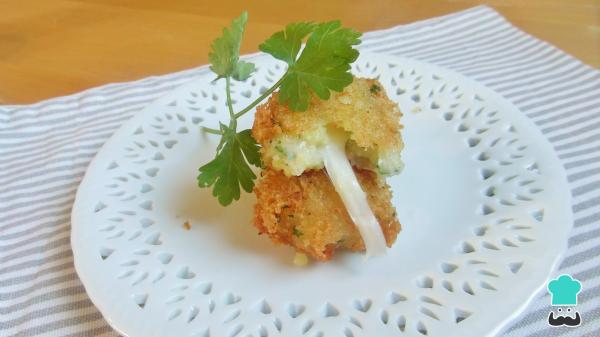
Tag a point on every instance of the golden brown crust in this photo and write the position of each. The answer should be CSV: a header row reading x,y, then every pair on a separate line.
x,y
307,213
362,109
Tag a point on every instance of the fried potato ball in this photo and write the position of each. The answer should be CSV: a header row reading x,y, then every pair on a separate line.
x,y
290,141
307,213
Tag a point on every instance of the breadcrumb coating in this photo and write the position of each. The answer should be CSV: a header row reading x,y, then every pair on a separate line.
x,y
307,213
290,140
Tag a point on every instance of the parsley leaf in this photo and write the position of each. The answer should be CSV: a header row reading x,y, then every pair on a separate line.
x,y
229,170
249,147
285,44
225,52
323,65
243,70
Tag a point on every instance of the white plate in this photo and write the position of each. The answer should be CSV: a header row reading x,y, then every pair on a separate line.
x,y
483,202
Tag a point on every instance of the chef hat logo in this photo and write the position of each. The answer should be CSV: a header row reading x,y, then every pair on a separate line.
x,y
564,290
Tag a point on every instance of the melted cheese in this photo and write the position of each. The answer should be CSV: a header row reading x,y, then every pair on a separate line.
x,y
354,198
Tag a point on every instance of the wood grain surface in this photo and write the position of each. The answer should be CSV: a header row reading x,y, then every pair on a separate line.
x,y
56,47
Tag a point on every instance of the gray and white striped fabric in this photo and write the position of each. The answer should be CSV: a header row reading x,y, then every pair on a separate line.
x,y
46,147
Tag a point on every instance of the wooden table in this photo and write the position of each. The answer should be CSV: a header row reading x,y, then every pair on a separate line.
x,y
55,47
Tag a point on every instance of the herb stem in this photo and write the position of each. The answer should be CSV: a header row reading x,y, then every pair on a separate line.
x,y
233,121
261,98
212,131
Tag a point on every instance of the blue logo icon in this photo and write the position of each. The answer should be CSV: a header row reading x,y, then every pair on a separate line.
x,y
564,291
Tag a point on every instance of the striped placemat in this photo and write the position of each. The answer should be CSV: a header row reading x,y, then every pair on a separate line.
x,y
46,147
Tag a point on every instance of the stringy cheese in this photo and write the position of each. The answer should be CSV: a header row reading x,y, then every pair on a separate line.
x,y
354,198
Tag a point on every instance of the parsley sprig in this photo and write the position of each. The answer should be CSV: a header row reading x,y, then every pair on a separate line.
x,y
322,66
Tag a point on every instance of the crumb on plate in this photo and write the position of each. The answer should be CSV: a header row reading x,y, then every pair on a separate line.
x,y
300,259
